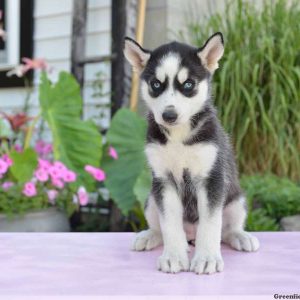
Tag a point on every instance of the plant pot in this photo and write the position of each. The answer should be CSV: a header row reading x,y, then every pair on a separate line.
x,y
48,220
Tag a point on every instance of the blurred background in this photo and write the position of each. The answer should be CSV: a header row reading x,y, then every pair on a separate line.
x,y
72,126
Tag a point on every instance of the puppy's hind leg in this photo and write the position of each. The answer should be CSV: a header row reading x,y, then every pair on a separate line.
x,y
233,233
152,237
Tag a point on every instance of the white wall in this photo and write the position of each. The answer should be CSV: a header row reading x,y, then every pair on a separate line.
x,y
167,17
52,41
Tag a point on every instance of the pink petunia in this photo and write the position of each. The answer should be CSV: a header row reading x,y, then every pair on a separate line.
x,y
42,148
3,166
97,173
48,148
59,165
18,148
69,176
83,196
113,152
39,147
7,185
35,64
29,189
52,194
44,164
55,172
7,159
41,175
57,183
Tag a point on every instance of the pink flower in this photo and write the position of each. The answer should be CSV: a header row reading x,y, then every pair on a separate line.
x,y
59,166
18,148
83,196
44,164
89,169
52,194
39,147
29,64
113,152
3,166
7,185
55,172
57,183
42,148
29,189
7,159
48,148
35,64
69,176
97,173
41,175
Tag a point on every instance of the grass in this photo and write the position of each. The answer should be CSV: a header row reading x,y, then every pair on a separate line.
x,y
257,89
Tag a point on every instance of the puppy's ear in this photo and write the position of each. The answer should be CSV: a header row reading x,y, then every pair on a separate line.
x,y
212,51
136,55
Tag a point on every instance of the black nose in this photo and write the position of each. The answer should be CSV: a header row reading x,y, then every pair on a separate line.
x,y
169,116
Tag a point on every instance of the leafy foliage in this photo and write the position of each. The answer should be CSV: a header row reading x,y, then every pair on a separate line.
x,y
76,143
14,203
27,184
127,134
24,164
270,198
142,186
257,89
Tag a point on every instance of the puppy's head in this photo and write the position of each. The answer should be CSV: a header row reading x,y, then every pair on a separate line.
x,y
175,77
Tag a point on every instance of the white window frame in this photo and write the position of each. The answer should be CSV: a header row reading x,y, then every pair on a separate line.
x,y
12,23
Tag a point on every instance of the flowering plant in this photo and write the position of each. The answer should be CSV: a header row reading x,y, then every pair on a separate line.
x,y
51,183
61,173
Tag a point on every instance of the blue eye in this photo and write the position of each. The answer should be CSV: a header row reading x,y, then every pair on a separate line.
x,y
155,85
188,85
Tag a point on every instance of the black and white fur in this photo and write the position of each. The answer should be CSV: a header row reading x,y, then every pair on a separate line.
x,y
195,190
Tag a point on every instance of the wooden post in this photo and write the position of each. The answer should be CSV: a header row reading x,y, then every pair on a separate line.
x,y
140,26
78,39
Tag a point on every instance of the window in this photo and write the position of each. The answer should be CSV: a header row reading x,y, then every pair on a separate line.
x,y
17,21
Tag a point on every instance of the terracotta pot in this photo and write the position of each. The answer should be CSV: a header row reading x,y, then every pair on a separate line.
x,y
48,220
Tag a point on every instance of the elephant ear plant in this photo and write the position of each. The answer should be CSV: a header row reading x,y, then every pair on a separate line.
x,y
128,178
34,179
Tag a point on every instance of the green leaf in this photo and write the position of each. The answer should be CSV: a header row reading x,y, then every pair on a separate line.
x,y
127,135
24,164
142,186
75,142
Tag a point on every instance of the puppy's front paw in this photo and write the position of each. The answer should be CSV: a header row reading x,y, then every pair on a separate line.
x,y
147,240
173,262
207,264
243,241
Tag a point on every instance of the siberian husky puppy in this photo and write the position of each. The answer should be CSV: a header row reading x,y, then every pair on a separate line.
x,y
195,193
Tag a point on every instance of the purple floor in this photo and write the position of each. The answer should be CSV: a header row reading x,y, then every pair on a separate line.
x,y
102,264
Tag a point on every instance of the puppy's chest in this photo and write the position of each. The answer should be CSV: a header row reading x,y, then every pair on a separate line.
x,y
175,157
